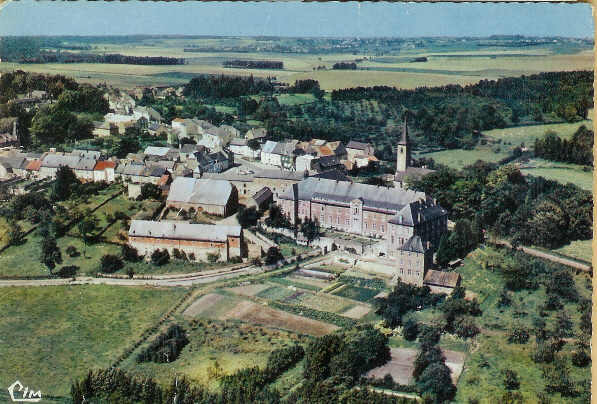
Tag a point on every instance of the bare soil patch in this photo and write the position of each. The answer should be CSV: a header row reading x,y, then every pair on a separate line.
x,y
357,311
249,290
266,316
401,366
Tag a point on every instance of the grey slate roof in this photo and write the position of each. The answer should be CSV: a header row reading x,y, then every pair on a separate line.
x,y
200,191
357,145
52,160
156,151
418,212
91,154
414,244
335,175
342,192
85,164
182,230
413,173
262,195
130,169
13,161
281,175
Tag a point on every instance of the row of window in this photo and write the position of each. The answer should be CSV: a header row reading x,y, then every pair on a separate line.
x,y
409,272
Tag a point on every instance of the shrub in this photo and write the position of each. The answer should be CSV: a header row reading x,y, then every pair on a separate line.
x,y
72,251
67,271
544,353
130,253
465,327
518,335
111,263
511,380
213,258
160,257
580,358
273,256
235,260
410,330
166,347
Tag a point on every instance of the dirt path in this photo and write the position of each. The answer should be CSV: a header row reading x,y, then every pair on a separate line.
x,y
550,257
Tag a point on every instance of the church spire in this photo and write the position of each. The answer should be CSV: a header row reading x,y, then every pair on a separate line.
x,y
404,137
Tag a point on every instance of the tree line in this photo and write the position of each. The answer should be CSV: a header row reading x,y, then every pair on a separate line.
x,y
113,58
254,64
344,66
211,86
528,210
577,150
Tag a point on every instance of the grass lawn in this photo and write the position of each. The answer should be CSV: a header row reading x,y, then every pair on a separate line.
x,y
295,99
51,335
356,293
580,249
484,380
528,134
458,158
23,260
562,172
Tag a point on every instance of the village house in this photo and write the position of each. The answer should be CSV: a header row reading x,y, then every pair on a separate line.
x,y
280,154
13,165
139,173
360,154
441,281
259,134
215,197
199,240
277,180
241,147
213,162
188,151
104,171
157,153
103,129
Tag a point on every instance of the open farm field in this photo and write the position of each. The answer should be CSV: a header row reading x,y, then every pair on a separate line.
x,y
493,353
231,344
458,158
219,307
57,333
580,249
561,172
527,134
444,66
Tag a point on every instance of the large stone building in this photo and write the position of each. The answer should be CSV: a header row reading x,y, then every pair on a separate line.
x,y
410,223
197,239
215,197
404,170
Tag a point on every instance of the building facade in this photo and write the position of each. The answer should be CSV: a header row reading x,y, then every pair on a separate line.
x,y
200,240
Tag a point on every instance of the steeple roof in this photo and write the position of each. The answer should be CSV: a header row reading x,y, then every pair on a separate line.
x,y
404,137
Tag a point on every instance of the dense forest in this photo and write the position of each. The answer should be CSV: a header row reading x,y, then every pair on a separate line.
x,y
114,58
528,210
452,115
577,150
211,86
254,64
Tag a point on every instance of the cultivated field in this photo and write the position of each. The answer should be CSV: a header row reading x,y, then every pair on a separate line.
x,y
444,66
220,307
51,335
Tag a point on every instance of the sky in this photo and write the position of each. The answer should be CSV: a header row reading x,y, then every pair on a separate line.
x,y
28,17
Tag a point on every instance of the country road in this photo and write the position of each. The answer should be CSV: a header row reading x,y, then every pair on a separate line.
x,y
550,257
180,281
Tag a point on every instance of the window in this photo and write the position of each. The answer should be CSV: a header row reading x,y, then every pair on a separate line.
x,y
401,271
347,222
373,225
409,272
365,225
337,219
356,211
382,227
322,208
392,239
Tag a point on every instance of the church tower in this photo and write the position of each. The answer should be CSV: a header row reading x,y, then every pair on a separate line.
x,y
403,152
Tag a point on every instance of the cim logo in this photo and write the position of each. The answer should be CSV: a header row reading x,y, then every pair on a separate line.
x,y
20,393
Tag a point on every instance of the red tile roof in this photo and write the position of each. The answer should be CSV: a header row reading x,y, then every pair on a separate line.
x,y
33,165
103,164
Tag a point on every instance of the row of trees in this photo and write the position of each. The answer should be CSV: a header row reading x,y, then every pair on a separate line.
x,y
577,150
254,64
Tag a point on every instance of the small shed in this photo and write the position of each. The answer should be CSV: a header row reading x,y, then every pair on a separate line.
x,y
441,281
